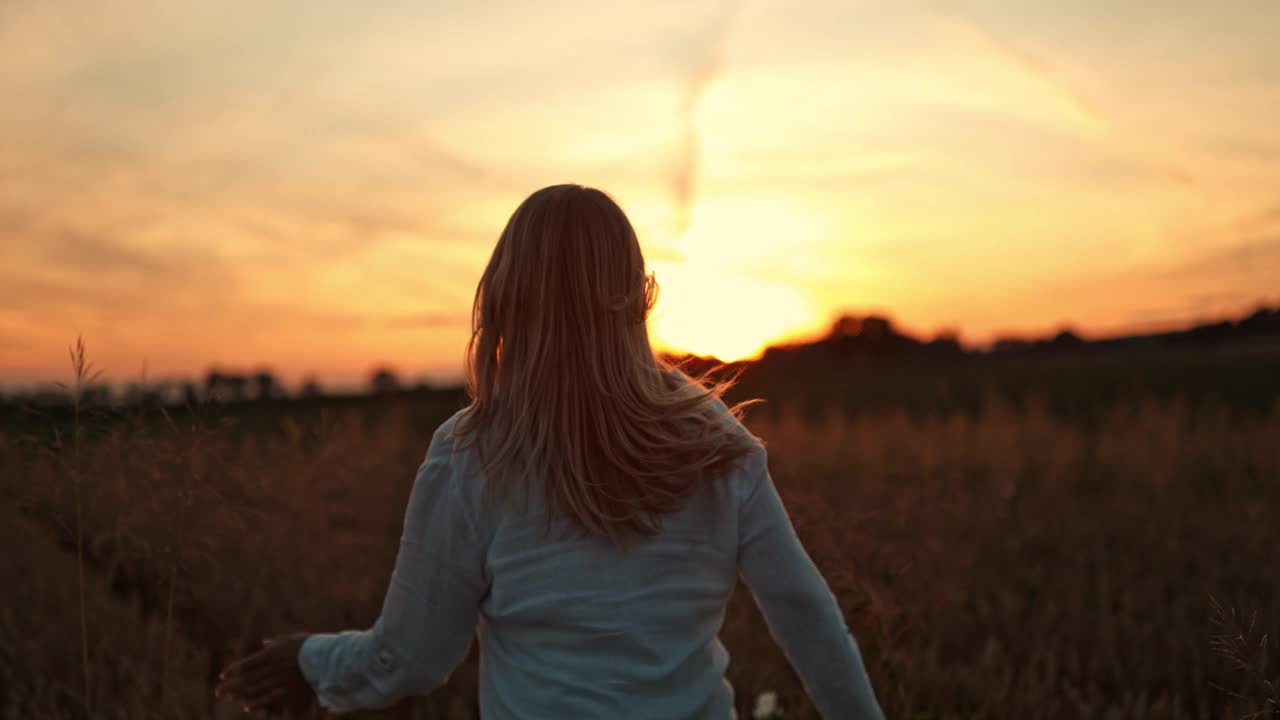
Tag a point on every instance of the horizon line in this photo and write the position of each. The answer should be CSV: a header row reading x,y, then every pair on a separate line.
x,y
432,378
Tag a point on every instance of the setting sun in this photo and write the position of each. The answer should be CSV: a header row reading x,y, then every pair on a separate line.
x,y
718,297
707,311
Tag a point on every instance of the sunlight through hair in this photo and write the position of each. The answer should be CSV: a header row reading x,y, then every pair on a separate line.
x,y
565,385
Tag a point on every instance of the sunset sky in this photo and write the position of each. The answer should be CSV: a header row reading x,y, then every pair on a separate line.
x,y
316,186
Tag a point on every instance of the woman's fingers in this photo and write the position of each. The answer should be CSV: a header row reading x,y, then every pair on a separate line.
x,y
266,683
259,701
230,687
268,674
247,684
248,660
234,669
269,655
252,671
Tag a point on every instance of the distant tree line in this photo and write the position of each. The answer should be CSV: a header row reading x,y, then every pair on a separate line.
x,y
218,386
850,340
853,339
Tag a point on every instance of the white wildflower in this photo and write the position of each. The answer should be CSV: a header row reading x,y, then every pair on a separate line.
x,y
767,707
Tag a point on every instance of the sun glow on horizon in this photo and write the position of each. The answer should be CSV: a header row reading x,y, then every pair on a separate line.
x,y
719,297
708,312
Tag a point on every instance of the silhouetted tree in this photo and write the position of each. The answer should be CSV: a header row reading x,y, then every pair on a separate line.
x,y
845,325
212,382
945,345
311,388
1263,321
265,385
1006,345
876,330
383,381
1066,339
220,387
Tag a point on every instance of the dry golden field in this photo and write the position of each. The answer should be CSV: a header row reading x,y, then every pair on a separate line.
x,y
1004,564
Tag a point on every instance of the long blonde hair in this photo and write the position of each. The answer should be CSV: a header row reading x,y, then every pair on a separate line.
x,y
565,385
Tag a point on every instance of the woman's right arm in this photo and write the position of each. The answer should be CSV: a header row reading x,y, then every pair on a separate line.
x,y
798,605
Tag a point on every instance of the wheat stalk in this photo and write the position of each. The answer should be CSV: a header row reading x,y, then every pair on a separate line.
x,y
84,375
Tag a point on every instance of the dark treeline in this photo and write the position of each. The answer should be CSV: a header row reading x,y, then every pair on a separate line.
x,y
218,386
862,363
866,363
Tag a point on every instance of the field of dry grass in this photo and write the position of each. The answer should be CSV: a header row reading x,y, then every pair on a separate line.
x,y
1008,564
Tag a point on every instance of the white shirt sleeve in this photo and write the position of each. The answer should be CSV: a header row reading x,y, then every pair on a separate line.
x,y
430,611
797,604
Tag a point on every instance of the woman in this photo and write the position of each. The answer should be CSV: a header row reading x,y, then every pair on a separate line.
x,y
586,517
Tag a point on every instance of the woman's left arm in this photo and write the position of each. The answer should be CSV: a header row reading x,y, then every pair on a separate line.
x,y
430,610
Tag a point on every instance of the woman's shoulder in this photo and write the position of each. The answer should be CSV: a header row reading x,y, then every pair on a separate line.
x,y
448,442
449,425
453,453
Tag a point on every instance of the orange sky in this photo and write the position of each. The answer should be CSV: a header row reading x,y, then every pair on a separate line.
x,y
316,186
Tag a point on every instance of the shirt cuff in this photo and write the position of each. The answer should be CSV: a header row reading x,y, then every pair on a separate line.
x,y
313,658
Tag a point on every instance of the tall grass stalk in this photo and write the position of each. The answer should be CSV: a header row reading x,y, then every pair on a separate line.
x,y
84,376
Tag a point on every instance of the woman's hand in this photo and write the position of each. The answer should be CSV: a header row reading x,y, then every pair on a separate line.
x,y
267,677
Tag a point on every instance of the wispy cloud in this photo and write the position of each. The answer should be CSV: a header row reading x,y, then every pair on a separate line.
x,y
96,254
962,23
706,67
1091,116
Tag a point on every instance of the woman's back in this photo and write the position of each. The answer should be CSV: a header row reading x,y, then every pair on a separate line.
x,y
588,513
574,626
580,627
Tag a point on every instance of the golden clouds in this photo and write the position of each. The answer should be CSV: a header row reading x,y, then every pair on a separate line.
x,y
248,178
